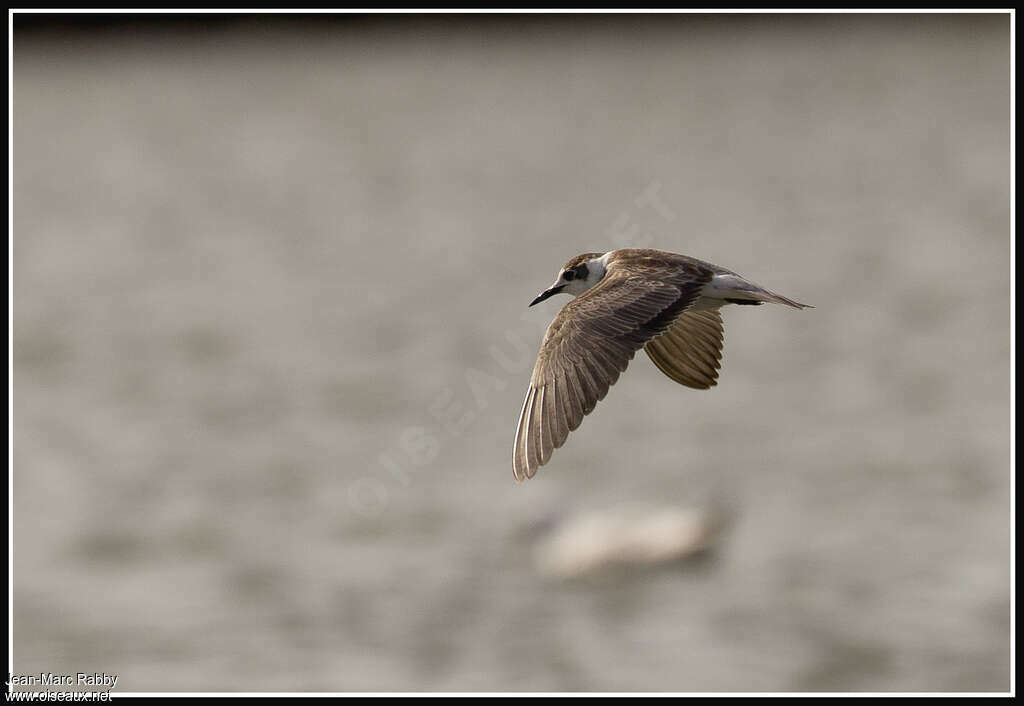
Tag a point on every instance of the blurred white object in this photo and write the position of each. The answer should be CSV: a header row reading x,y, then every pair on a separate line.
x,y
632,535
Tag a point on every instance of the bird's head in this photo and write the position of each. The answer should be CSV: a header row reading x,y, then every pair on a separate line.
x,y
576,276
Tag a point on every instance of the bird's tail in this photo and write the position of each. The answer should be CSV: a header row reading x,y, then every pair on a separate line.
x,y
735,289
766,296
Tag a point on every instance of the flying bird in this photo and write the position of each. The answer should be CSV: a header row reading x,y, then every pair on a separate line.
x,y
627,299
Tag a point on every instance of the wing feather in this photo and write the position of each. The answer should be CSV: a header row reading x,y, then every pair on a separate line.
x,y
534,431
690,351
575,407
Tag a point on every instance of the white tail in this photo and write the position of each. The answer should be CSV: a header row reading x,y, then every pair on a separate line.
x,y
735,289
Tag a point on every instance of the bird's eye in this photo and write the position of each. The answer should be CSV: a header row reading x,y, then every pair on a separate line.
x,y
569,275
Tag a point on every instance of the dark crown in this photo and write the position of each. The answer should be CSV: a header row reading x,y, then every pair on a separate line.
x,y
581,259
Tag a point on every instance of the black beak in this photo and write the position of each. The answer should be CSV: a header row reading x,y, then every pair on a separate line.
x,y
550,292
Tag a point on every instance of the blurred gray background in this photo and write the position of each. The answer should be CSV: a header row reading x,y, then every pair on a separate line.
x,y
271,343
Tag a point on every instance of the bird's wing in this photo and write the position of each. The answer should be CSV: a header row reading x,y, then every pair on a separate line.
x,y
690,349
590,343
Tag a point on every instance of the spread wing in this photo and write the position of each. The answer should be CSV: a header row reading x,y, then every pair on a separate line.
x,y
690,350
590,343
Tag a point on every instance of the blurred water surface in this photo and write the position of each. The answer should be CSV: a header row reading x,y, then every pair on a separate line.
x,y
271,343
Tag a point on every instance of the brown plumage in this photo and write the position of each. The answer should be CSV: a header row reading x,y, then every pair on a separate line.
x,y
689,352
628,299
